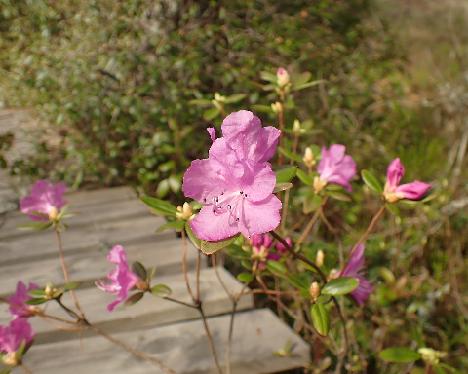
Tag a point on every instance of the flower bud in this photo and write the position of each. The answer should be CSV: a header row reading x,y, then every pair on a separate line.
x,y
320,258
282,77
184,212
219,98
296,127
277,107
430,355
333,274
142,285
49,291
319,184
53,213
314,290
308,159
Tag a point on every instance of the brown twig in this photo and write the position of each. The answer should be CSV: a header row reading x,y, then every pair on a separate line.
x,y
184,265
371,226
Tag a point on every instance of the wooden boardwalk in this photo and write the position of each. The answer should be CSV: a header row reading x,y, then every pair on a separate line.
x,y
168,331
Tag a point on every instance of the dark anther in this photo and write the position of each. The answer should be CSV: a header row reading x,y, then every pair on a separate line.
x,y
229,207
237,219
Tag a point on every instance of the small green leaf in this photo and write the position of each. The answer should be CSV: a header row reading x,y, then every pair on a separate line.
x,y
285,175
371,181
37,293
245,277
70,285
209,248
36,226
160,207
393,208
196,242
161,290
200,102
311,203
339,196
399,355
320,318
210,114
37,301
231,99
282,187
277,267
340,286
304,177
139,270
134,298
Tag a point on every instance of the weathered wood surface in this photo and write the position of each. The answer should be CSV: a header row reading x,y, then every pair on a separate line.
x,y
154,325
182,346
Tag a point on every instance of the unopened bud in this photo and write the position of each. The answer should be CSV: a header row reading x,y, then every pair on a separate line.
x,y
184,212
277,107
53,213
296,127
320,258
11,359
142,285
333,274
282,77
219,98
308,159
314,290
49,291
430,355
319,184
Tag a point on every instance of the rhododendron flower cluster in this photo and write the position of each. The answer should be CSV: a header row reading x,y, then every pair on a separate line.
x,y
235,183
120,280
44,201
18,301
14,336
393,191
335,167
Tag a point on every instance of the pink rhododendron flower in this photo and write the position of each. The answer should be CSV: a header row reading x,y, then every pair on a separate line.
x,y
120,280
235,184
282,77
44,202
335,167
353,269
17,301
394,192
18,332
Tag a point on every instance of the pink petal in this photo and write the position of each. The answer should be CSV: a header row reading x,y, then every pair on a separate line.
x,y
355,262
413,191
261,216
212,132
363,291
210,226
262,183
395,172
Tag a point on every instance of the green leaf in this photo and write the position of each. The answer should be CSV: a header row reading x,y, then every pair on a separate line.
x,y
285,175
134,298
210,114
209,248
139,270
159,206
173,225
340,286
276,267
282,187
371,181
231,99
70,286
393,208
196,242
163,188
300,79
267,76
304,177
290,155
161,290
261,108
36,226
339,196
311,203
200,102
320,318
37,293
399,355
37,301
307,85
245,277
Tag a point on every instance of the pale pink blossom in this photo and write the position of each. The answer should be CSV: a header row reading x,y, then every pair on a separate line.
x,y
44,201
120,280
335,167
393,191
16,334
282,77
354,268
18,300
235,184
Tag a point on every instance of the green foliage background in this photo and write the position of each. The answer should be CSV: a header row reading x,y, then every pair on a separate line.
x,y
116,81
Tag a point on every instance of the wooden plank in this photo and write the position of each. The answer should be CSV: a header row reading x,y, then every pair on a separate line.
x,y
183,347
148,312
90,264
81,215
20,249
